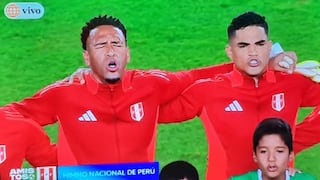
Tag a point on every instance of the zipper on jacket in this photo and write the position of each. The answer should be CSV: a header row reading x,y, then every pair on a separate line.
x,y
117,142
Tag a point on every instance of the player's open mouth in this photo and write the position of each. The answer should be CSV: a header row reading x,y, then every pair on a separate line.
x,y
254,63
272,168
112,66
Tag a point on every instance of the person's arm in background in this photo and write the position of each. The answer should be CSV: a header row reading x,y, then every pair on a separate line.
x,y
40,152
286,61
308,131
309,128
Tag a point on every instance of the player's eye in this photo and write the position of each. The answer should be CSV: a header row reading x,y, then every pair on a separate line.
x,y
263,151
280,150
117,43
100,45
242,45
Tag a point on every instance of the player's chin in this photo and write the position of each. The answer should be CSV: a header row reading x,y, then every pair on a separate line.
x,y
112,75
255,72
272,175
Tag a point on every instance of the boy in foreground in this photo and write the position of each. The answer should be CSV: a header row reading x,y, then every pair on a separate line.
x,y
273,150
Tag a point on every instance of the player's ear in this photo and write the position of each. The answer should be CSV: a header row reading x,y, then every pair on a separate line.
x,y
86,58
254,157
269,45
128,55
291,156
228,50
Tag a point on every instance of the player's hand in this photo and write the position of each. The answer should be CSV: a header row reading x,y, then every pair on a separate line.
x,y
293,171
284,62
310,68
78,74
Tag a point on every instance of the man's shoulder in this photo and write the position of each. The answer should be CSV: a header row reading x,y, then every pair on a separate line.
x,y
294,76
148,73
61,84
217,80
252,175
304,176
155,75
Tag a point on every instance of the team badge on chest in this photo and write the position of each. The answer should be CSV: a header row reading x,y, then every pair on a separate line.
x,y
136,111
3,154
278,102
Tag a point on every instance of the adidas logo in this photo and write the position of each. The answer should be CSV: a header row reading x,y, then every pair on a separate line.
x,y
234,106
87,116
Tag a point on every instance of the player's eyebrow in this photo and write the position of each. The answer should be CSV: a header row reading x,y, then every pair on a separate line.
x,y
260,42
242,44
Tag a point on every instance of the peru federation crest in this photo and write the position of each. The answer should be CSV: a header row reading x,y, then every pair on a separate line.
x,y
278,102
136,111
3,154
47,173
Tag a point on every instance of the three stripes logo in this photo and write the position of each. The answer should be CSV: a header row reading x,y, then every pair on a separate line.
x,y
234,107
46,173
87,116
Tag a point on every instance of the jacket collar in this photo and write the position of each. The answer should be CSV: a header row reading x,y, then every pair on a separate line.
x,y
239,79
94,86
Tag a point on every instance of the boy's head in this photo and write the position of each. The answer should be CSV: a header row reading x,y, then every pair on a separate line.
x,y
272,146
179,170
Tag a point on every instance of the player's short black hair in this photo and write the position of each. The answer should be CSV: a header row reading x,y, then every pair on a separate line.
x,y
178,170
246,19
273,126
98,21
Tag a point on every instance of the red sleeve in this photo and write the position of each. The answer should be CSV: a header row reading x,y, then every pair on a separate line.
x,y
171,84
184,107
308,131
311,97
211,71
40,151
40,107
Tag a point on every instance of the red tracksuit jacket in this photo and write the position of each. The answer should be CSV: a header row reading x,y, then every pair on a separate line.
x,y
23,139
232,105
102,123
308,128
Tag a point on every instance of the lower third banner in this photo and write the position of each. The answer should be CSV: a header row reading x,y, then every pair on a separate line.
x,y
127,171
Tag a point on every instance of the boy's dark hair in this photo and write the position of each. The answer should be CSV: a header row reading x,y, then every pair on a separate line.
x,y
178,170
273,126
98,21
246,19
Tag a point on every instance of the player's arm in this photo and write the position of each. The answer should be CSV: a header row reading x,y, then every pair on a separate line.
x,y
287,62
40,152
280,60
40,107
308,131
185,106
309,68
